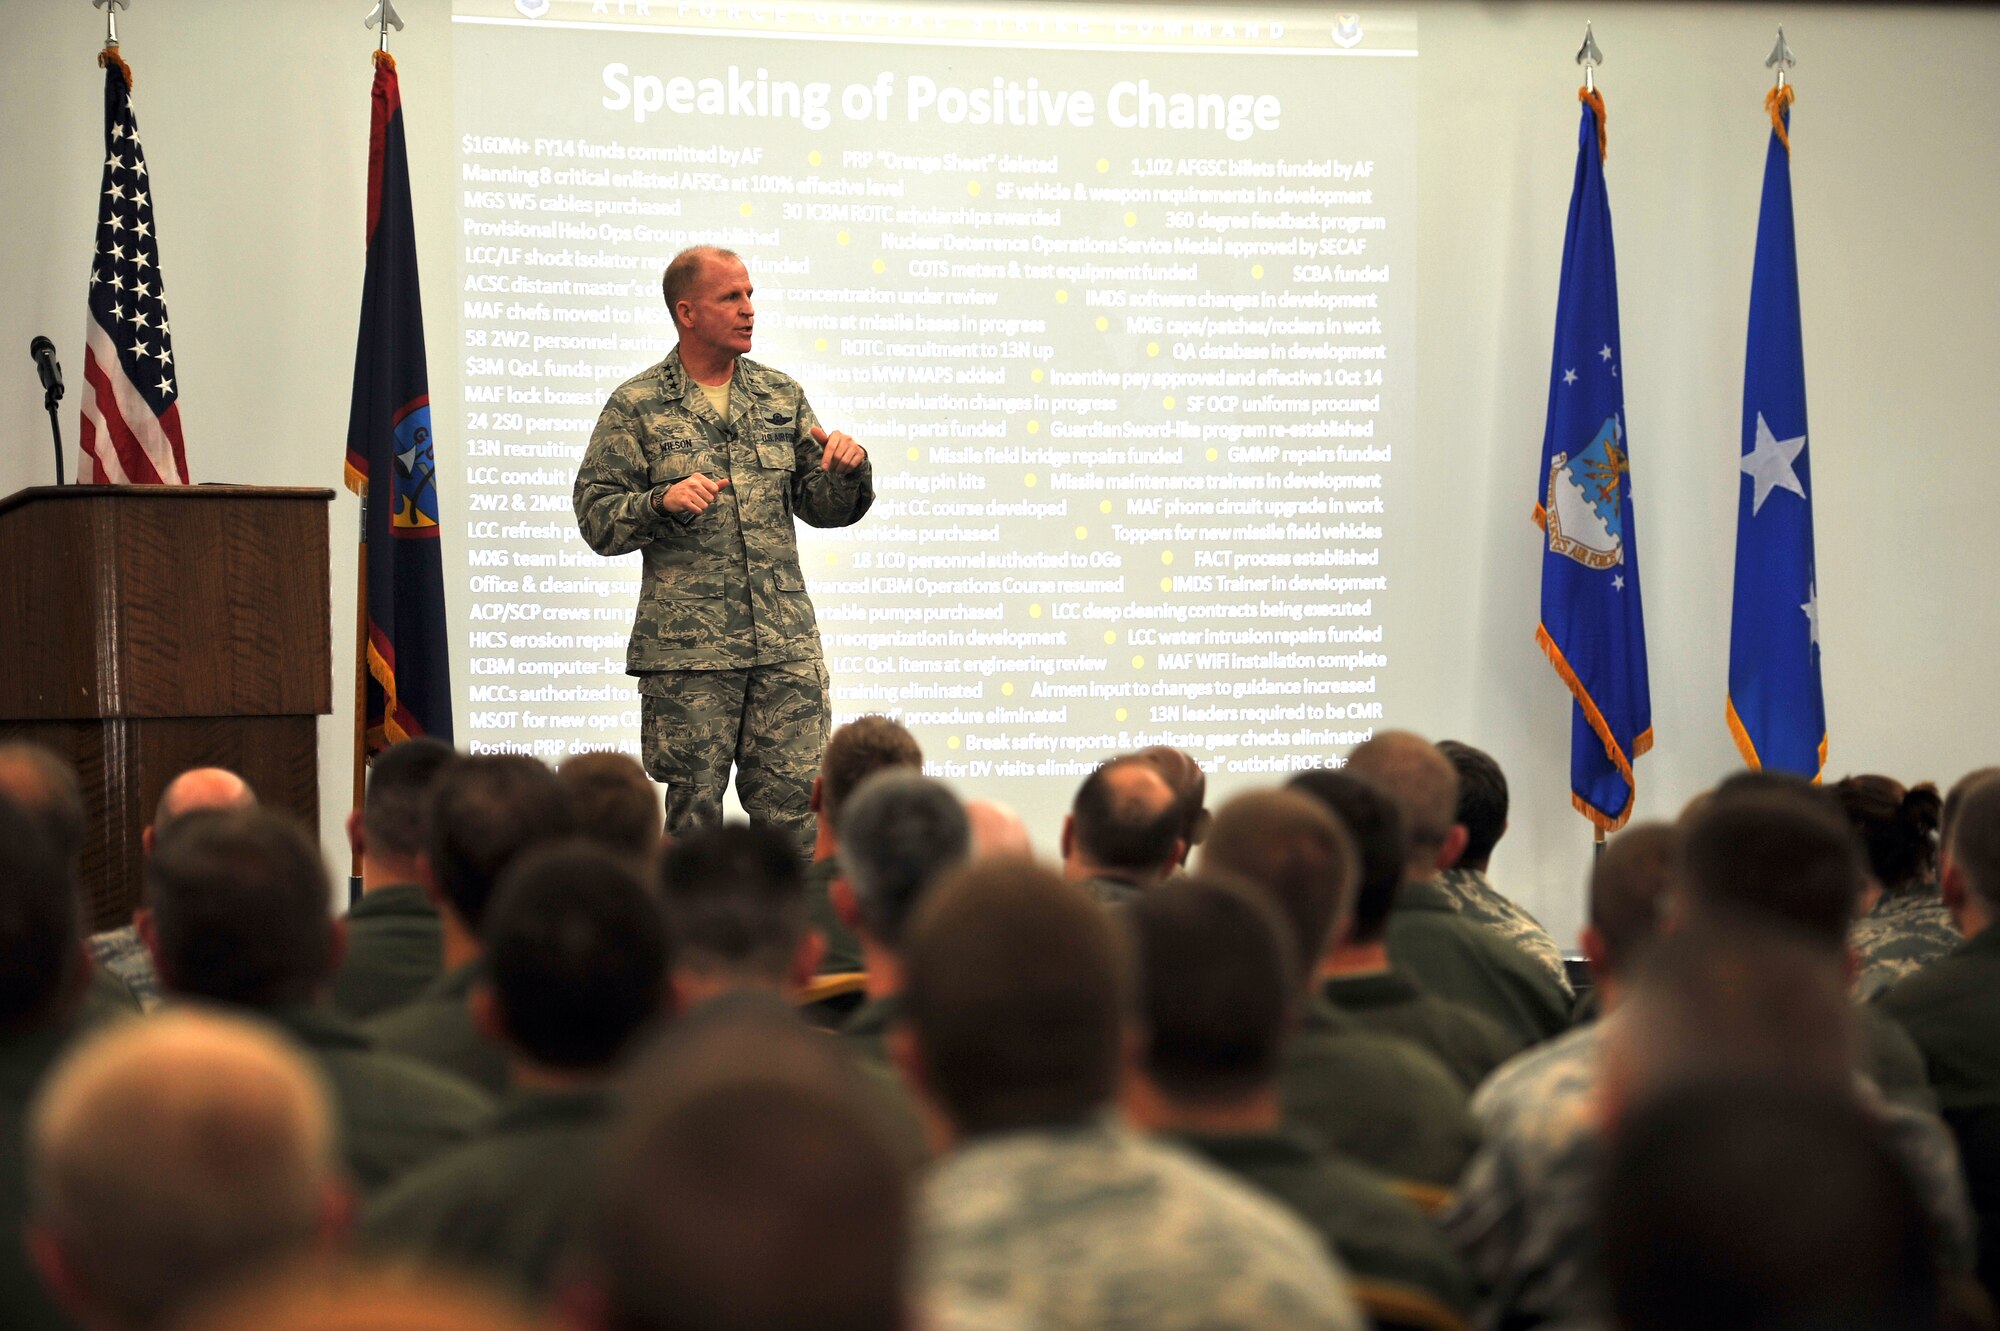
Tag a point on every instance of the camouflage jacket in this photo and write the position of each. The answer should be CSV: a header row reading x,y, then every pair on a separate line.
x,y
1522,1217
724,590
1095,1226
1900,937
1473,893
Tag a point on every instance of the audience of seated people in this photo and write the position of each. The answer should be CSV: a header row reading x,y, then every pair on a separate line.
x,y
1332,1079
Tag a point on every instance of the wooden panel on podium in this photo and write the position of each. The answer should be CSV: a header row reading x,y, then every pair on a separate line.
x,y
151,629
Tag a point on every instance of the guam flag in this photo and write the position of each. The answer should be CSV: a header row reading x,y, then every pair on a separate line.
x,y
390,461
1592,629
1776,711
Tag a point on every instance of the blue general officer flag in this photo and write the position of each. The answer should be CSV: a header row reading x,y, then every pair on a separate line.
x,y
390,458
1592,628
1777,712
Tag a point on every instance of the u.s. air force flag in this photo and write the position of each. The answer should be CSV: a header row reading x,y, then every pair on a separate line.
x,y
1777,712
1592,628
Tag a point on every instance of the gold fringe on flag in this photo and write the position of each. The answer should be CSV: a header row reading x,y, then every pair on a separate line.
x,y
1777,102
384,58
109,56
1596,100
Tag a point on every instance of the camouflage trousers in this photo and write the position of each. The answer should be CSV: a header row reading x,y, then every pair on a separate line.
x,y
770,722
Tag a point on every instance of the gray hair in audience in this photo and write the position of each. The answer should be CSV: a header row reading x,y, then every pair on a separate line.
x,y
899,833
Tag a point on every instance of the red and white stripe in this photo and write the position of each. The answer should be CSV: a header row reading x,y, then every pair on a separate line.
x,y
123,442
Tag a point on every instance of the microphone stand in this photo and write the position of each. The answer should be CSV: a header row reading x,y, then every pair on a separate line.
x,y
49,400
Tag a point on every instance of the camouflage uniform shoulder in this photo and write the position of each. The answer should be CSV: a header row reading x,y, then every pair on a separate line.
x,y
1475,897
762,378
1900,937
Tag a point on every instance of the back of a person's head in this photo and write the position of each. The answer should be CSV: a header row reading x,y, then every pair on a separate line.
x,y
1190,786
201,790
1898,828
1216,989
44,787
334,1295
1424,785
1774,853
1126,817
1016,988
239,907
1723,1001
577,953
614,802
1975,842
38,923
858,750
1375,823
396,812
1293,849
1482,800
900,833
173,1156
750,1187
1763,1207
486,811
736,898
1955,798
1630,888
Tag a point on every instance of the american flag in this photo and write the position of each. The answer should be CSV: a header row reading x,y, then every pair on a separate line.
x,y
131,424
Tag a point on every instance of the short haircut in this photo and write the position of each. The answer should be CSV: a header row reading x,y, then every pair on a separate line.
x,y
902,832
577,953
683,271
485,811
174,1156
1375,822
239,901
1217,988
1126,816
396,812
614,802
1955,797
38,921
1630,886
1190,786
1754,1206
750,1187
1421,780
1293,849
1017,991
1975,841
858,750
45,787
1712,1003
736,898
1898,829
1779,855
1482,800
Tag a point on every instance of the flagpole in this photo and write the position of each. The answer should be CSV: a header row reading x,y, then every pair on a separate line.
x,y
1590,58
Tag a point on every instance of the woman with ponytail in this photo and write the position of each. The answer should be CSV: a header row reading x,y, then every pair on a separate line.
x,y
1906,926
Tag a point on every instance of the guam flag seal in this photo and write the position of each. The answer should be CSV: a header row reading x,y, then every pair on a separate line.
x,y
391,460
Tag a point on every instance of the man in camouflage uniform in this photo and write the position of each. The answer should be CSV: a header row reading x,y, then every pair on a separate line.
x,y
1482,812
702,462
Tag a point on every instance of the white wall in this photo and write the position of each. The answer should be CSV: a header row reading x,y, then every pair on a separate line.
x,y
255,122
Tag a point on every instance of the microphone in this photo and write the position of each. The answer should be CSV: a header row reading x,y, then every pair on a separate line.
x,y
44,352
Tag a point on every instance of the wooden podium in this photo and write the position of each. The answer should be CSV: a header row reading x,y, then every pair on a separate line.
x,y
148,629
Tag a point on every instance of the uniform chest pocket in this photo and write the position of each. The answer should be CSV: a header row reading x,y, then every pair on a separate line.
x,y
778,455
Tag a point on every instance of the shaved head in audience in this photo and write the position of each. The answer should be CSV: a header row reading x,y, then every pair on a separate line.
x,y
195,789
